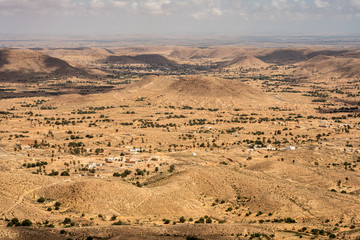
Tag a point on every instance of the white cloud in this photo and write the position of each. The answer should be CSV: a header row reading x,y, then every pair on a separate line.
x,y
355,3
118,4
198,9
279,3
217,12
155,7
198,15
321,4
97,4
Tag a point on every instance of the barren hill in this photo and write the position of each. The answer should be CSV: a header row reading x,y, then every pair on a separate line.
x,y
342,67
196,86
21,65
290,56
95,53
212,87
151,59
201,90
246,62
210,52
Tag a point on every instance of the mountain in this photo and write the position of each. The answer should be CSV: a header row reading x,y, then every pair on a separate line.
x,y
291,56
150,59
246,62
28,65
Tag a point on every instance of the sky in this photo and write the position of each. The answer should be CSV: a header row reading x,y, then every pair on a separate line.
x,y
142,17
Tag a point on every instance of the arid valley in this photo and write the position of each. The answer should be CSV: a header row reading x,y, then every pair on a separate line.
x,y
170,142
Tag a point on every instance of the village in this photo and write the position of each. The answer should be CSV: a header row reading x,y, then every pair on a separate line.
x,y
248,148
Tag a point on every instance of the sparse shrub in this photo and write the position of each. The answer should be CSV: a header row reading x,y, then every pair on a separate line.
x,y
182,219
15,221
193,238
201,220
67,221
118,223
26,223
65,173
229,209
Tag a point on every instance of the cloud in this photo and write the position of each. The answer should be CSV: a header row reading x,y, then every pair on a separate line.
x,y
321,4
97,4
355,3
155,7
197,9
118,4
217,12
279,3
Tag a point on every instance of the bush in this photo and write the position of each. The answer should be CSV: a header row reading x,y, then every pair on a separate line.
x,y
182,219
229,209
290,220
15,221
315,231
41,200
193,238
65,173
201,220
118,223
26,223
67,221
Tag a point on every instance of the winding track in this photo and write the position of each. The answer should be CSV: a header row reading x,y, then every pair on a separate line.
x,y
21,198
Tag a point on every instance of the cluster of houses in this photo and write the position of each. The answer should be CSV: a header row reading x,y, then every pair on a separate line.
x,y
127,161
270,148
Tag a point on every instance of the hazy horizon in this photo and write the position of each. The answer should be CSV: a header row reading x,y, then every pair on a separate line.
x,y
166,17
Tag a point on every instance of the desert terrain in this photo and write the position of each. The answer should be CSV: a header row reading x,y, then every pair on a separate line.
x,y
170,142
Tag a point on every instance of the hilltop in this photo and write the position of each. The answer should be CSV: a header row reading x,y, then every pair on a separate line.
x,y
28,65
205,91
151,59
291,56
246,62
